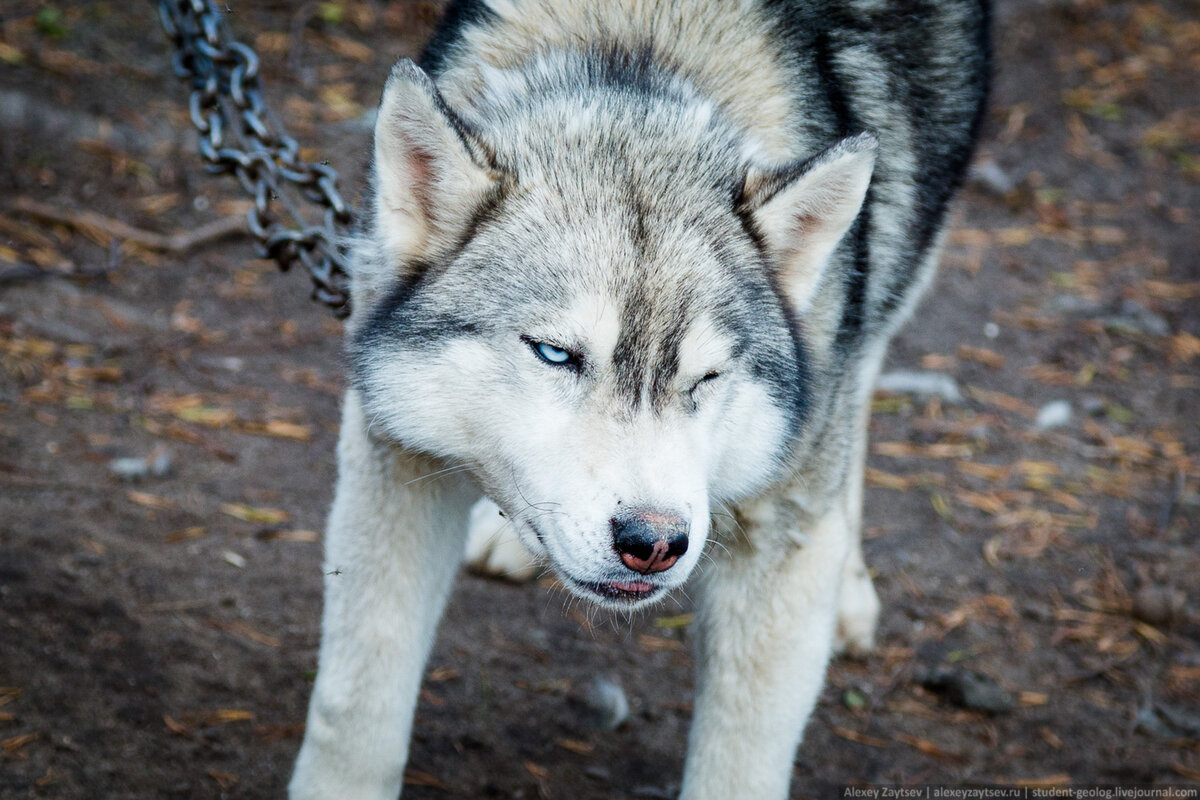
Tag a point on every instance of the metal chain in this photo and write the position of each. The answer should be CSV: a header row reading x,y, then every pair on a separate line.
x,y
239,135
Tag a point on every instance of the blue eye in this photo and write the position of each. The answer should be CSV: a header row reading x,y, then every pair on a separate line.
x,y
551,354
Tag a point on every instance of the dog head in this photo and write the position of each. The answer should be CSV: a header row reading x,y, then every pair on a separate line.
x,y
593,302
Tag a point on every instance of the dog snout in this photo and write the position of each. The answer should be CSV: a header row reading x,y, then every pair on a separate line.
x,y
650,541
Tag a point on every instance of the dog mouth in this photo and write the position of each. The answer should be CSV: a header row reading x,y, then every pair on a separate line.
x,y
620,592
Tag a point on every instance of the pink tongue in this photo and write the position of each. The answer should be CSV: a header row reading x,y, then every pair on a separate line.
x,y
631,586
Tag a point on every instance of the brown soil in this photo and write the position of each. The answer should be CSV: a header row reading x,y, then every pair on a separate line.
x,y
154,644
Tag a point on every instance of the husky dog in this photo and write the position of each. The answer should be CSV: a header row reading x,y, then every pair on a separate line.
x,y
630,272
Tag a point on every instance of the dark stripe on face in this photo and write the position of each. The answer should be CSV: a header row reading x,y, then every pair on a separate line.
x,y
646,356
396,315
784,368
662,379
758,317
629,355
399,316
383,315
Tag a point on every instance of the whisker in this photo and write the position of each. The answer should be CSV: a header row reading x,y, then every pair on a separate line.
x,y
437,473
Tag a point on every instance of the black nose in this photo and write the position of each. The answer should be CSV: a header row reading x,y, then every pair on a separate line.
x,y
650,541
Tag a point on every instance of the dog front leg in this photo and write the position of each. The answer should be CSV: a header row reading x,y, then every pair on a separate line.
x,y
766,624
393,544
858,608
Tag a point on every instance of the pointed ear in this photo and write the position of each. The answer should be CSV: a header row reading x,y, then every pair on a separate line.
x,y
431,172
803,210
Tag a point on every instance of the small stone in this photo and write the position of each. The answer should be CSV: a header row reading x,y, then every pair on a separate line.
x,y
928,384
990,177
1149,321
128,469
1148,721
598,773
1074,304
157,464
1133,317
971,690
853,699
227,363
991,330
1094,406
1053,415
1158,605
606,702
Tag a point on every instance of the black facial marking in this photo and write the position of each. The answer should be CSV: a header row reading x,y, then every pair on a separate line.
x,y
485,213
382,316
646,357
662,377
460,15
784,369
400,316
629,354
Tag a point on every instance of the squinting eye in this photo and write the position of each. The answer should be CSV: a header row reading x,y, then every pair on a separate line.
x,y
551,354
712,376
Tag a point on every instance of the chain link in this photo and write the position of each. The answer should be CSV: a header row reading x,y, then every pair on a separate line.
x,y
239,135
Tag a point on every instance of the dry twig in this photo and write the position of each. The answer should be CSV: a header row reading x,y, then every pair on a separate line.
x,y
105,229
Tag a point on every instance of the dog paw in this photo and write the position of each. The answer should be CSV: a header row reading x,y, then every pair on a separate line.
x,y
858,615
493,548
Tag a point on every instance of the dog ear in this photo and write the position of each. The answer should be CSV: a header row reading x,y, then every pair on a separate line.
x,y
431,171
803,210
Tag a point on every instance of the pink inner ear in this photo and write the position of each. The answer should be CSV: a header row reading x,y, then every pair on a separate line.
x,y
418,163
804,222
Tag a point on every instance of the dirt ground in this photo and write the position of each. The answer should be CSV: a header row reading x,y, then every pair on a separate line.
x,y
158,638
